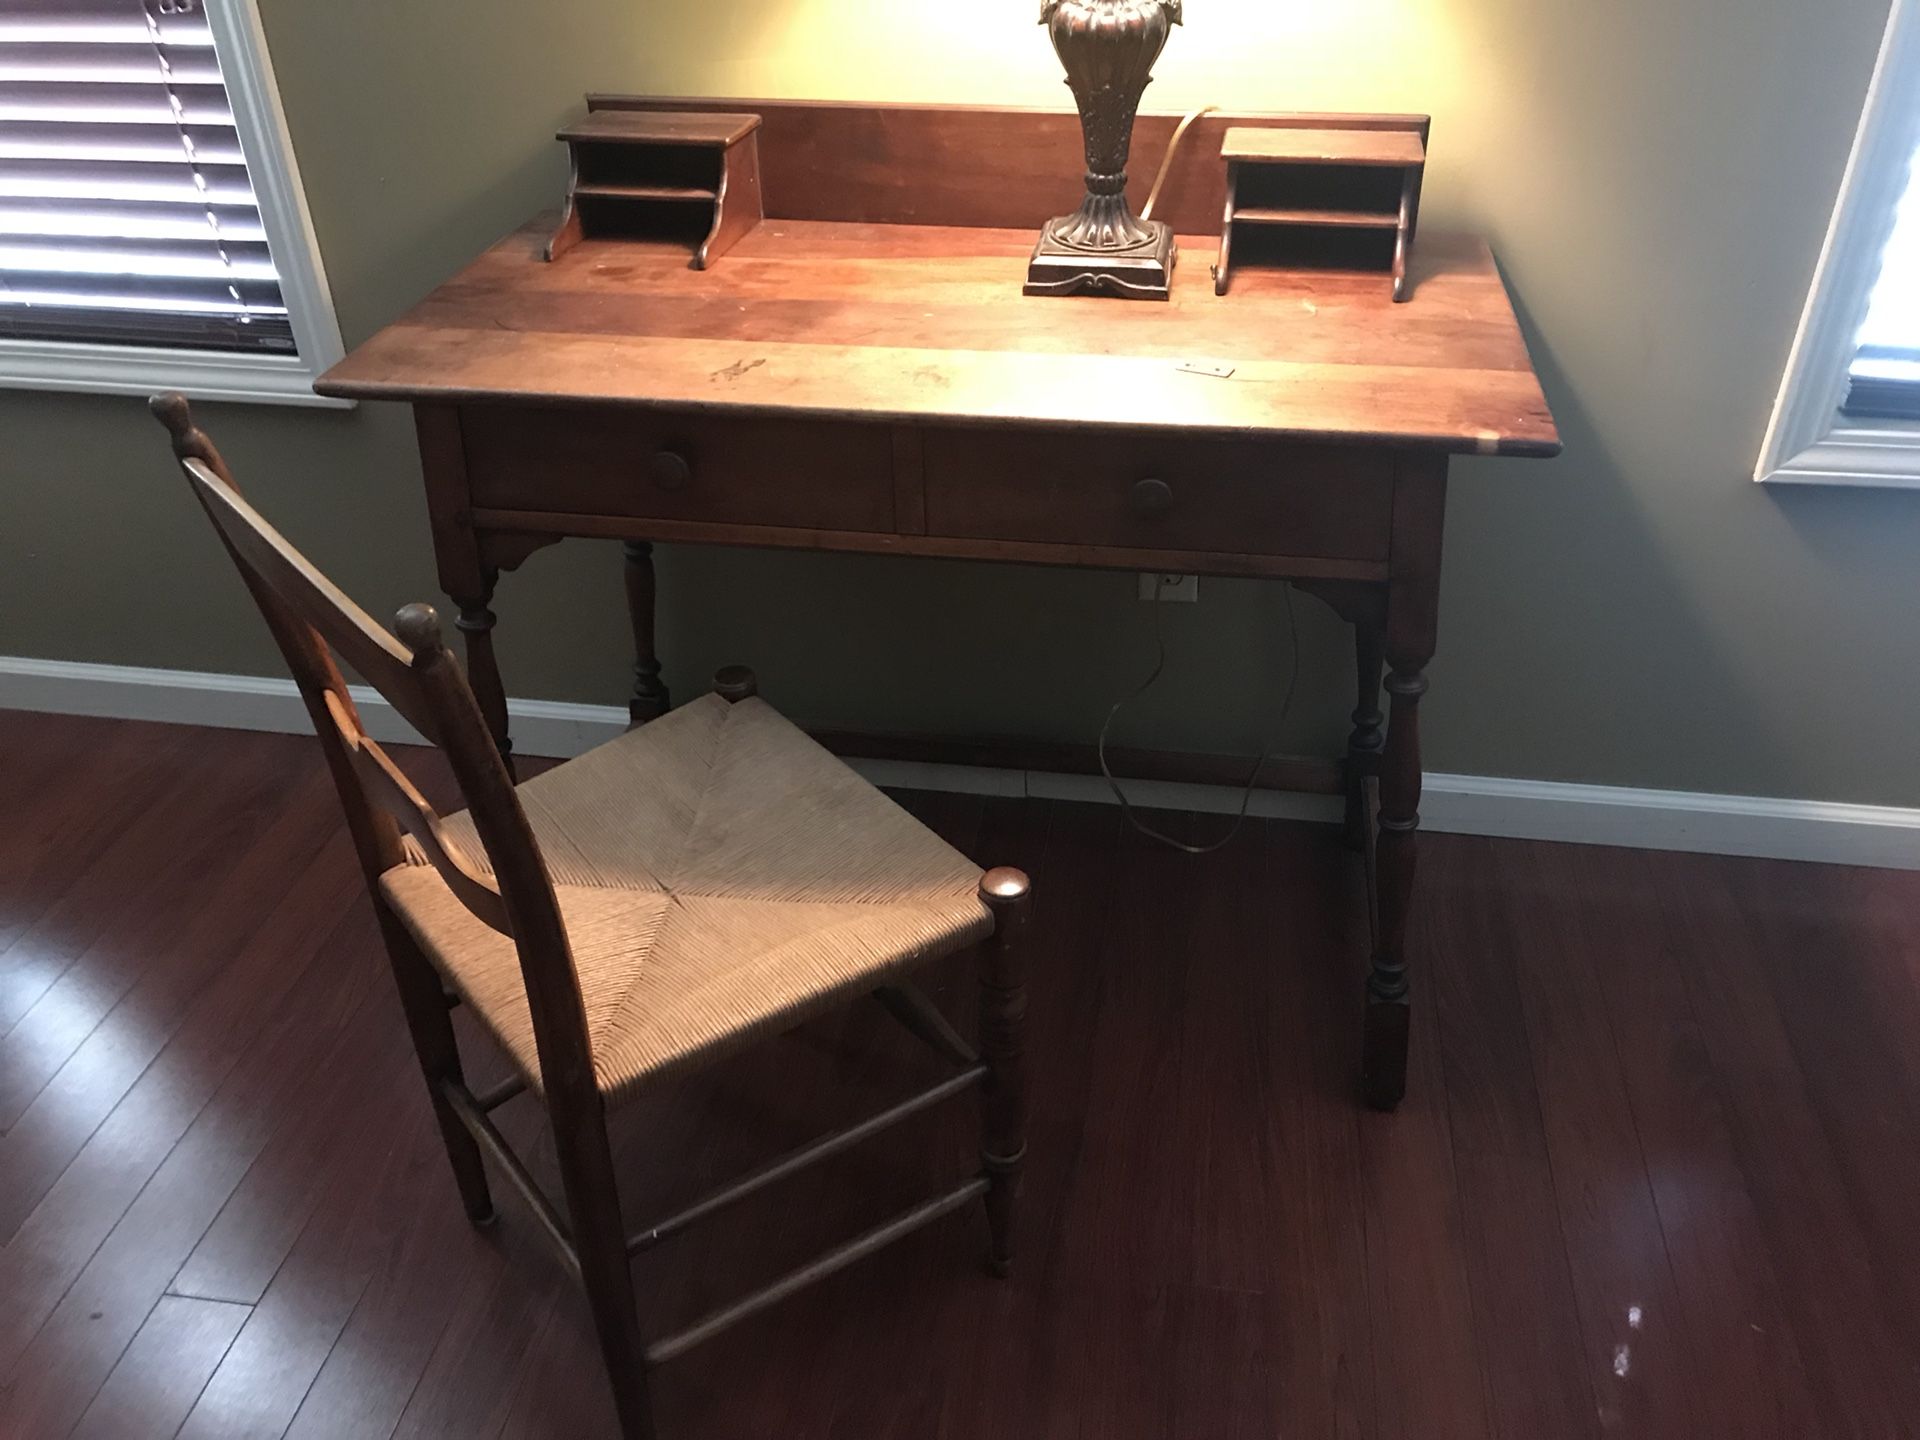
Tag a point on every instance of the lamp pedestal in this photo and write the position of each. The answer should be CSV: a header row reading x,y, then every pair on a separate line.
x,y
1108,48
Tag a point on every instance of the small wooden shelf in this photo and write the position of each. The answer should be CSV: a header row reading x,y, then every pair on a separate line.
x,y
1325,179
626,163
1391,149
648,192
656,127
1343,219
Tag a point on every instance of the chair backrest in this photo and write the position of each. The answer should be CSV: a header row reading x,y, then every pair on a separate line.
x,y
313,622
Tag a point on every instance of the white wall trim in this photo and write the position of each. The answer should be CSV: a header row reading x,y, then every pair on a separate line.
x,y
78,367
1809,441
1813,830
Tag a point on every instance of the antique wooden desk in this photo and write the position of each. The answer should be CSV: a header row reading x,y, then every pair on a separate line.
x,y
862,373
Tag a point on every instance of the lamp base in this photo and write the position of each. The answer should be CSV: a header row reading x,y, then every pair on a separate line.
x,y
1138,272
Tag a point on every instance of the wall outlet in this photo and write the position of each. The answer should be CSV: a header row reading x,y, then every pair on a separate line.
x,y
1183,588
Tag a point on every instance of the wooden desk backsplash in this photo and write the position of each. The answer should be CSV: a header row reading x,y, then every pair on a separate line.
x,y
984,166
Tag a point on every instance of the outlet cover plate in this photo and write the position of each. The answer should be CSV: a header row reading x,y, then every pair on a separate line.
x,y
1183,589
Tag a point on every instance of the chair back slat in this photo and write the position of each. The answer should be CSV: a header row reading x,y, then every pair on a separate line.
x,y
389,788
363,646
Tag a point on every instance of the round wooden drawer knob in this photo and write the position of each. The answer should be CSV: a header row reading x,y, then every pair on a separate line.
x,y
670,470
1152,498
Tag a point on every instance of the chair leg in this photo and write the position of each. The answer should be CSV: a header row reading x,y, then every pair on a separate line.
x,y
1003,1025
424,1001
600,1241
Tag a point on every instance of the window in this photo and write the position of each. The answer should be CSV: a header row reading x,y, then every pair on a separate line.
x,y
1884,381
1849,410
153,234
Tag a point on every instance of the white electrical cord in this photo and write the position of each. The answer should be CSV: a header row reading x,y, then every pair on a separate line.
x,y
1160,664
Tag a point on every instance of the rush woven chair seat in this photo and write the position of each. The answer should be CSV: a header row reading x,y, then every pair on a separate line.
x,y
720,876
677,893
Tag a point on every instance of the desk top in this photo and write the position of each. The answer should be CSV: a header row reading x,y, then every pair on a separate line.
x,y
926,323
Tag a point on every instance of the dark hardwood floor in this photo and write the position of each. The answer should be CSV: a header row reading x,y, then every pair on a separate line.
x,y
1657,1175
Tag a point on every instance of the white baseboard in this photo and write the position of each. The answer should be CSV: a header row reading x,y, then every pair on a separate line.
x,y
1814,830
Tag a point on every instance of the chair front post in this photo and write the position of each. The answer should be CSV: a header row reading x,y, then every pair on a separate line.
x,y
575,1107
1003,1034
587,1177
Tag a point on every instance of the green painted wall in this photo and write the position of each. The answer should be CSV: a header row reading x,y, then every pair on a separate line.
x,y
1655,175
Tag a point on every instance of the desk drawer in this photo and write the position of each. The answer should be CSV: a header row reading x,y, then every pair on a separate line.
x,y
1160,493
725,471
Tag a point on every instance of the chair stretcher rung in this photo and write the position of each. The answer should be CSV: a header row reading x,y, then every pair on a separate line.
x,y
832,1262
495,1096
469,1113
646,1238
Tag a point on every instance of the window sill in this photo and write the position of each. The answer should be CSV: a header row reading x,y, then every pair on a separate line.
x,y
139,370
1884,453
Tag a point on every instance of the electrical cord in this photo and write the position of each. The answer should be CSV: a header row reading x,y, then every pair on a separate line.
x,y
1266,746
1159,629
1166,161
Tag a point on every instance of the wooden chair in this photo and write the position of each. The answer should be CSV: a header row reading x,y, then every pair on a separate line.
x,y
641,910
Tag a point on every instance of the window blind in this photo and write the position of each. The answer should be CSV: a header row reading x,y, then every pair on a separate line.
x,y
126,211
1884,380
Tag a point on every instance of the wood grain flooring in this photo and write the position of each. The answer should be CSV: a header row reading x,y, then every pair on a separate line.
x,y
1656,1176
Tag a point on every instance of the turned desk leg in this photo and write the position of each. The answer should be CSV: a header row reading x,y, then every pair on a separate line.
x,y
1368,739
468,573
1411,627
649,701
475,622
1384,1059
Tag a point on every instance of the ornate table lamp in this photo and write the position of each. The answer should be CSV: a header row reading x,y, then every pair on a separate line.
x,y
1108,48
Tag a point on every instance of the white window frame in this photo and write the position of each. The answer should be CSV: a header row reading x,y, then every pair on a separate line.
x,y
241,45
1810,442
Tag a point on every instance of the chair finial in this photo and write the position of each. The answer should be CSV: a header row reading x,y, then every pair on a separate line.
x,y
418,627
734,683
1004,886
190,442
171,410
